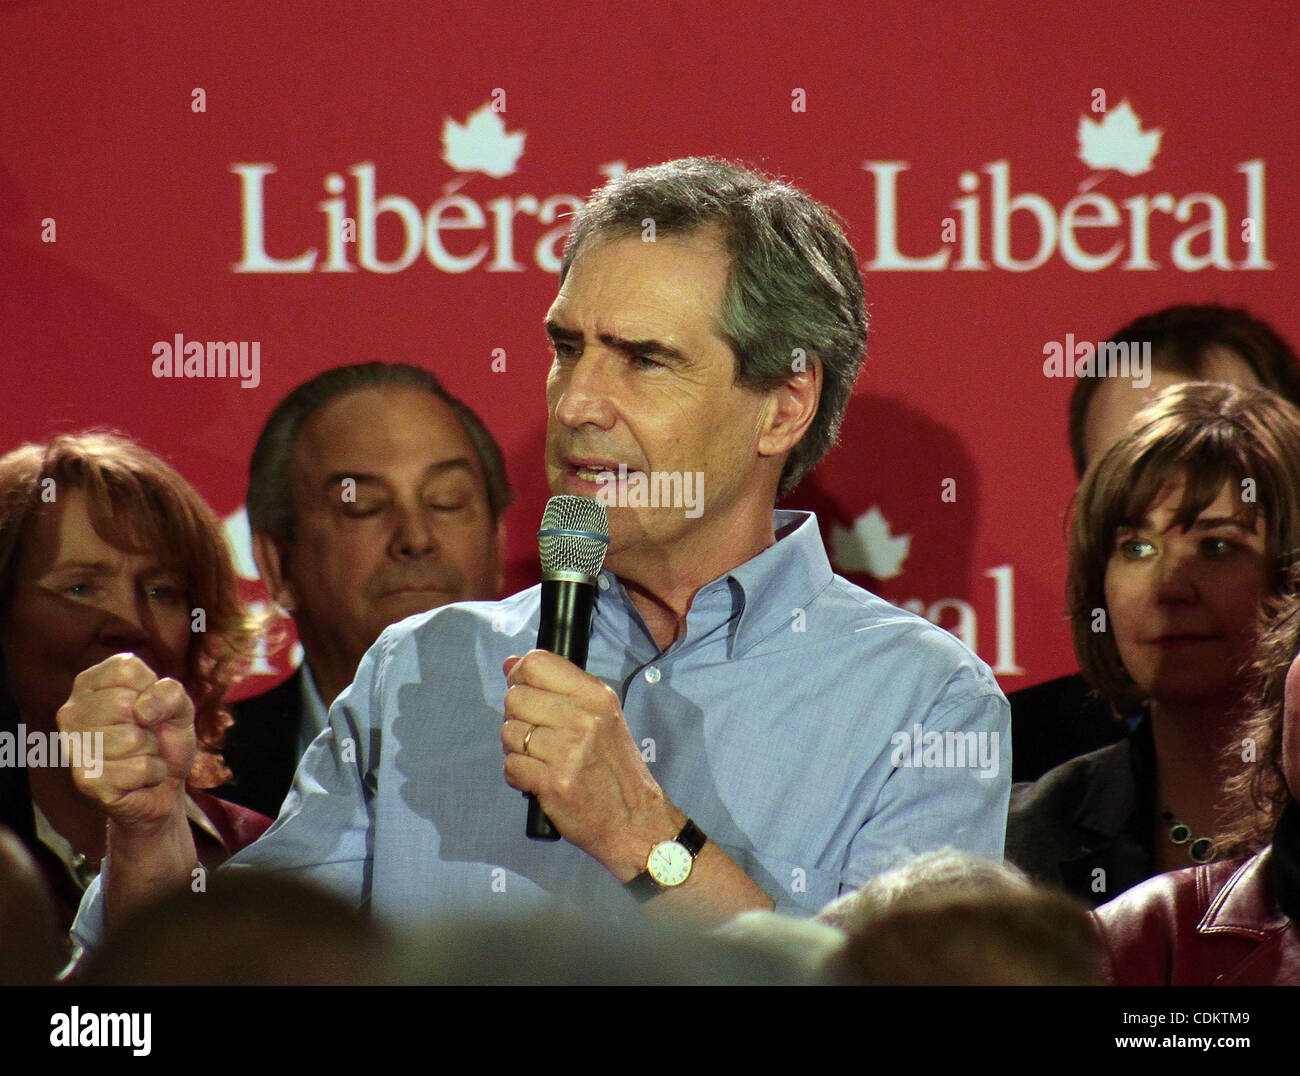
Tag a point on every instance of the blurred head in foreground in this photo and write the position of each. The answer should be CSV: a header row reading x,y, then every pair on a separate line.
x,y
244,929
950,919
31,952
250,928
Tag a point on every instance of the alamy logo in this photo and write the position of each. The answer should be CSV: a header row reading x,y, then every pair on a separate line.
x,y
946,750
77,1028
209,359
1091,231
658,489
1108,358
33,749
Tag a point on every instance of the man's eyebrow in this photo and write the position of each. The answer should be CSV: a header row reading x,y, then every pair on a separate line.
x,y
649,349
452,466
556,331
357,477
441,467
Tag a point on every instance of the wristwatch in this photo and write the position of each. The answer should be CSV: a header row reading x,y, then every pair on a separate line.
x,y
669,863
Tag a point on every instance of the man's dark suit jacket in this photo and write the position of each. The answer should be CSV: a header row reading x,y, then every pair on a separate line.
x,y
1056,721
261,747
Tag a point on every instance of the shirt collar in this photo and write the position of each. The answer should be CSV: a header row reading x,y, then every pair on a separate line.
x,y
314,711
766,594
779,584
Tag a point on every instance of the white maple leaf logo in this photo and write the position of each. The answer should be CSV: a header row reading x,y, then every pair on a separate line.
x,y
1117,141
481,144
869,547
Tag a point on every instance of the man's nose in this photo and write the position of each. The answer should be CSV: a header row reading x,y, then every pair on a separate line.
x,y
586,392
414,535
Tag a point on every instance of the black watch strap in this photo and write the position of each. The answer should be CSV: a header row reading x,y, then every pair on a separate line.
x,y
691,838
643,886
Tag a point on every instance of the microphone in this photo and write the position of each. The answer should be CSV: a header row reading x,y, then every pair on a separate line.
x,y
571,542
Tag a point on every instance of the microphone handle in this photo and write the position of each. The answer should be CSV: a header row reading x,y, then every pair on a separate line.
x,y
565,629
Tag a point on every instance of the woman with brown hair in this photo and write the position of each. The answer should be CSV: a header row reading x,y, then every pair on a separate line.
x,y
1180,531
1235,921
104,549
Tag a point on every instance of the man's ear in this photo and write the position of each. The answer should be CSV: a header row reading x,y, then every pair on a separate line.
x,y
792,406
271,555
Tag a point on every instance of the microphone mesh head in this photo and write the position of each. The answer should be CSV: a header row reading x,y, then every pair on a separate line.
x,y
573,538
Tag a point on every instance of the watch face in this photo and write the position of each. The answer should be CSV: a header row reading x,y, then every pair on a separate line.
x,y
670,863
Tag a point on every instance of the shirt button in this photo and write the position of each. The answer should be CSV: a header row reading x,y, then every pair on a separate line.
x,y
602,581
652,675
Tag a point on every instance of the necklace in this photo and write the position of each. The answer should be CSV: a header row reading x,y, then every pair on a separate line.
x,y
1199,849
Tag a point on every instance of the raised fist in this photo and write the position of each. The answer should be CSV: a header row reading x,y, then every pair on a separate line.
x,y
141,741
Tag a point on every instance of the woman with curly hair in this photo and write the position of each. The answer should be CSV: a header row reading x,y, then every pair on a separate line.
x,y
105,549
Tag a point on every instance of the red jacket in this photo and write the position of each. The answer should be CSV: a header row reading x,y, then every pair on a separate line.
x,y
238,826
1217,924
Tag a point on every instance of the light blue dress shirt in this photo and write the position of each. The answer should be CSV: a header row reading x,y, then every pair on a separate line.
x,y
774,721
315,714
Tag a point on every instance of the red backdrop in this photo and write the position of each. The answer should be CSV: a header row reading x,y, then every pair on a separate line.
x,y
173,169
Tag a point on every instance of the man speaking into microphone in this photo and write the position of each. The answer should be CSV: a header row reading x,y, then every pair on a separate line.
x,y
729,745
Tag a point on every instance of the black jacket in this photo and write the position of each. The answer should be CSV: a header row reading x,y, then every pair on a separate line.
x,y
261,747
1057,721
1086,825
